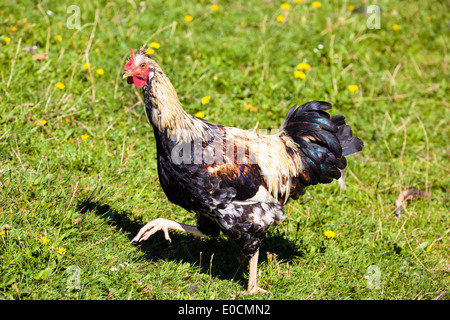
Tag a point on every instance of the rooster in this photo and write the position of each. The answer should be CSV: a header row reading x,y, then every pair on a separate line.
x,y
236,182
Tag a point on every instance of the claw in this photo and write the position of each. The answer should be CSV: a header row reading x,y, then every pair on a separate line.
x,y
164,225
257,289
166,234
152,227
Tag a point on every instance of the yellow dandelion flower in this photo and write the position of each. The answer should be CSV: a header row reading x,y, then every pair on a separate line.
x,y
396,27
254,109
299,74
14,29
86,66
353,88
304,66
84,137
280,18
42,122
155,45
7,40
44,240
59,38
329,234
248,106
199,115
206,99
60,85
298,1
2,232
188,19
61,250
316,4
351,8
150,51
285,6
214,7
100,72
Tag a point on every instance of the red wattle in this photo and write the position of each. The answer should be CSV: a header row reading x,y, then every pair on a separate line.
x,y
138,82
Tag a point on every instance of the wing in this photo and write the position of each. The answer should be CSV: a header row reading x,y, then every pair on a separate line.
x,y
201,176
228,158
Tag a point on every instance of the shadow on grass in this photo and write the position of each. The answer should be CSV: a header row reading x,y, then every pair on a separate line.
x,y
219,256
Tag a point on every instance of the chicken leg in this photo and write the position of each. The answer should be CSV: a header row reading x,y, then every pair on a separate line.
x,y
253,277
163,224
341,180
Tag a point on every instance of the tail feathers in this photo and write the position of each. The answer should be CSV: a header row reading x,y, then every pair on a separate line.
x,y
323,142
349,143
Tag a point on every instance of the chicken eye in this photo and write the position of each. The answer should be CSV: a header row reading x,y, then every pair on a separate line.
x,y
142,65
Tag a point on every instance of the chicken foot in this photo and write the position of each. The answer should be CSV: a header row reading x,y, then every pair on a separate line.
x,y
164,225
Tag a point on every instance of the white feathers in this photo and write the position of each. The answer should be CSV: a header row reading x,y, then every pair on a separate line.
x,y
263,195
260,214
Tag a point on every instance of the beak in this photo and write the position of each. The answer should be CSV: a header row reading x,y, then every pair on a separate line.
x,y
126,75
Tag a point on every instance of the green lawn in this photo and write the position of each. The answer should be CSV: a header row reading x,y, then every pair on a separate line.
x,y
78,158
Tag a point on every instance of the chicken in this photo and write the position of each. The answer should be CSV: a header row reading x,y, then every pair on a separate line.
x,y
236,182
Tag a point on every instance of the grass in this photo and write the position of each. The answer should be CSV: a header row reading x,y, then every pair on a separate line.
x,y
71,201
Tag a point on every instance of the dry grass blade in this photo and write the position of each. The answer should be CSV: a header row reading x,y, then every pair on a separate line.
x,y
408,195
13,63
439,297
110,295
40,56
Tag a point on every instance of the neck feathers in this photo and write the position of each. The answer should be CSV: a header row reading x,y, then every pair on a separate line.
x,y
165,112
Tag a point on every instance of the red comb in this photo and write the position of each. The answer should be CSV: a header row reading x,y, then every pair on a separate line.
x,y
131,62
